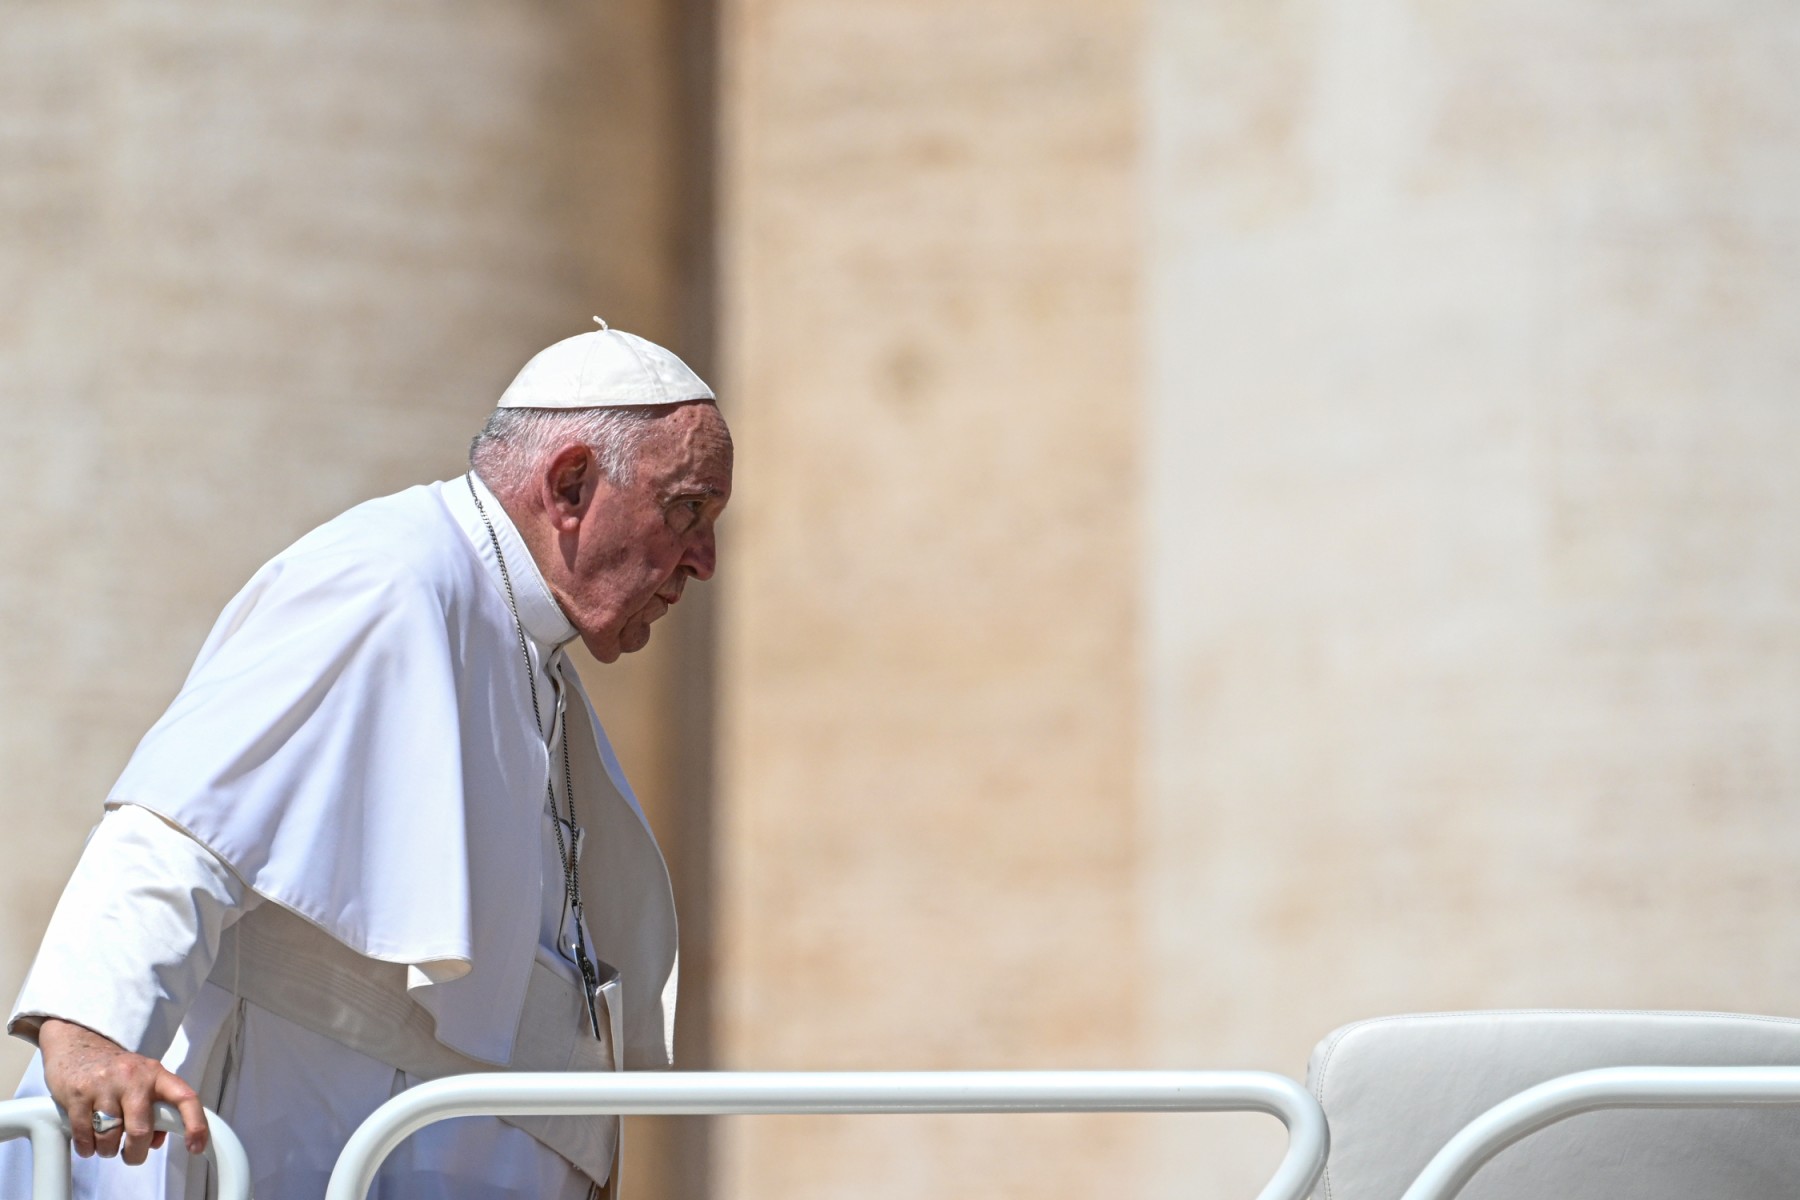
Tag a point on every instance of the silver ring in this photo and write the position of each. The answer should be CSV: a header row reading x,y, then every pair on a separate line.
x,y
105,1122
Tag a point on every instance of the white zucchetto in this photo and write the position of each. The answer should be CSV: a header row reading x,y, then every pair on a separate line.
x,y
607,368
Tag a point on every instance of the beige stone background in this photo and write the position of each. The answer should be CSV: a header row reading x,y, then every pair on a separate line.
x,y
1252,514
1471,626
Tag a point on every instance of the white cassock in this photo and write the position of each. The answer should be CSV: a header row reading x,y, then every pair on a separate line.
x,y
353,766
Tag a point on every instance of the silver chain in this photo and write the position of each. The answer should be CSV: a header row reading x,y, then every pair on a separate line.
x,y
565,853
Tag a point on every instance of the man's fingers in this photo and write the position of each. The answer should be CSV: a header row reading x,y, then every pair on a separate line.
x,y
88,1072
81,1127
158,1138
106,1145
140,1121
172,1089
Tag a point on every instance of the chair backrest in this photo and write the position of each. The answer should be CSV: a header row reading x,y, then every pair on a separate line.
x,y
1395,1089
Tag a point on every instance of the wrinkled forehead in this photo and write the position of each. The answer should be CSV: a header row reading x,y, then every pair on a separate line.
x,y
690,450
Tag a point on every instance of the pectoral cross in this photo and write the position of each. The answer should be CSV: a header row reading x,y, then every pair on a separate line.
x,y
590,981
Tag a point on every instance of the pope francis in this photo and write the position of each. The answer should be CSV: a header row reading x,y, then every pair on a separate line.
x,y
379,836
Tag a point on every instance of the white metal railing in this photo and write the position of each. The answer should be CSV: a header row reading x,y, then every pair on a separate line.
x,y
768,1092
765,1092
41,1120
1611,1087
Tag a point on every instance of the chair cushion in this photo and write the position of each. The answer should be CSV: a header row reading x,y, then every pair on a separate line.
x,y
1395,1089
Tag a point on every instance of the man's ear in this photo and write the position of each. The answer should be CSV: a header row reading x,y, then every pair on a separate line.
x,y
569,484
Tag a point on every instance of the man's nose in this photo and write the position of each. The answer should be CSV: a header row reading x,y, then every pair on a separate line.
x,y
702,557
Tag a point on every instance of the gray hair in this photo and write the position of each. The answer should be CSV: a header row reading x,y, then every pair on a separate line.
x,y
517,442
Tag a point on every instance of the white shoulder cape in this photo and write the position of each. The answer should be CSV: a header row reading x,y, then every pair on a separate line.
x,y
355,740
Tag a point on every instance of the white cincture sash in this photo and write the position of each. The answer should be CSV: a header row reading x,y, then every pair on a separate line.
x,y
283,963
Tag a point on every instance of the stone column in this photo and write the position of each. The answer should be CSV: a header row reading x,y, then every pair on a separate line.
x,y
929,702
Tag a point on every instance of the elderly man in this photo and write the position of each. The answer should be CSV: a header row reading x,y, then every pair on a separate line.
x,y
379,836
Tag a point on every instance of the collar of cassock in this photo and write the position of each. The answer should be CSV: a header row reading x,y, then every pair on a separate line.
x,y
540,614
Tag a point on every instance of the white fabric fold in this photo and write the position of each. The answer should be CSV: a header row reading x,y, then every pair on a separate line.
x,y
335,749
356,742
127,953
134,934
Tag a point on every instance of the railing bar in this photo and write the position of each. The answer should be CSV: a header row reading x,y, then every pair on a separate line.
x,y
44,1123
844,1093
1539,1107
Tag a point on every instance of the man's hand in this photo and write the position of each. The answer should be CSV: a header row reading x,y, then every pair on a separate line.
x,y
87,1072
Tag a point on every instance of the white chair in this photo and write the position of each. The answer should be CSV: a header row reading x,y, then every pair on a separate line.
x,y
1395,1090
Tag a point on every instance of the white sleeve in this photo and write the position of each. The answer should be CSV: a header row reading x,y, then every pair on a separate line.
x,y
134,935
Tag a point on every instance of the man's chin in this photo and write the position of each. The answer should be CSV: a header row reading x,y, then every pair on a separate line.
x,y
610,650
605,651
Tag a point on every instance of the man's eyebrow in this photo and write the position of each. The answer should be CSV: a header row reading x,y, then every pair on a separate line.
x,y
708,490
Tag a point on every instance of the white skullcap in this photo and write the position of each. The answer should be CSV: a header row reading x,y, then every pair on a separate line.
x,y
607,368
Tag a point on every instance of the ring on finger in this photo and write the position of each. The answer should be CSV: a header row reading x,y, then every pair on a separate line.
x,y
105,1123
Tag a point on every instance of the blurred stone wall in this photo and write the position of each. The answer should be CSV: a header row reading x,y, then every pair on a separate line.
x,y
928,675
1253,517
1471,645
